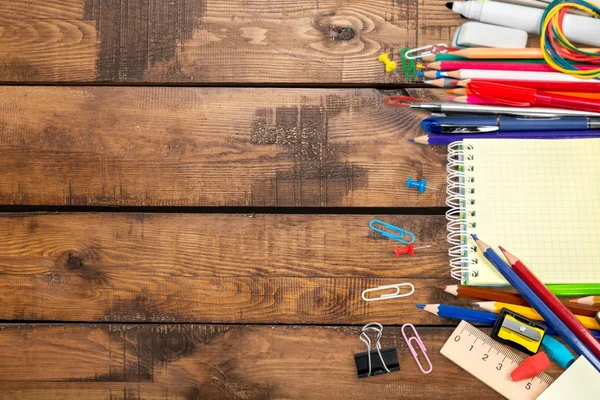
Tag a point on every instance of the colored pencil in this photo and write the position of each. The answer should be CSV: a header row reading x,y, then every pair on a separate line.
x,y
466,91
507,297
485,74
553,303
589,300
575,289
441,83
583,85
500,66
528,312
474,316
444,139
431,74
526,53
532,298
452,57
448,311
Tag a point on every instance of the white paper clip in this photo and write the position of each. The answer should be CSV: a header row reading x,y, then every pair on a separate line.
x,y
428,50
387,296
409,342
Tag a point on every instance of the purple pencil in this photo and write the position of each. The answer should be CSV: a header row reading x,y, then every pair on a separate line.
x,y
441,139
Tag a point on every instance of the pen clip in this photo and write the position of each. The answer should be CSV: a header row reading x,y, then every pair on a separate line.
x,y
467,129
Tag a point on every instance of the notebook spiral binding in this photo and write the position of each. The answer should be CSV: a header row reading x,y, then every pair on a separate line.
x,y
460,199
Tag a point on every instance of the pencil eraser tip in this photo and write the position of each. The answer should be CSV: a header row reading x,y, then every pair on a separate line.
x,y
421,306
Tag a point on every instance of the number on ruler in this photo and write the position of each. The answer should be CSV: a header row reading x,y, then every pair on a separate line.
x,y
485,357
499,366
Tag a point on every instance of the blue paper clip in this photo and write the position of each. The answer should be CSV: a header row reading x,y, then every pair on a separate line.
x,y
392,232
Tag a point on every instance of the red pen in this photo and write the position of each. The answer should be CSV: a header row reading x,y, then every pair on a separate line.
x,y
585,85
527,97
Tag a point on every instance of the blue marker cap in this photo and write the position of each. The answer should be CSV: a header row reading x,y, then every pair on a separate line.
x,y
557,351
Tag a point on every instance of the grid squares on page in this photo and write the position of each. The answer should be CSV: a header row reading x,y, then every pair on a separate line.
x,y
541,200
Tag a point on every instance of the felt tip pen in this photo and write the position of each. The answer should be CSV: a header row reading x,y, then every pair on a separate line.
x,y
474,124
459,108
525,97
576,28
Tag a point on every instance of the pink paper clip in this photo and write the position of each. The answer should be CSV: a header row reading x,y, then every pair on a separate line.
x,y
415,338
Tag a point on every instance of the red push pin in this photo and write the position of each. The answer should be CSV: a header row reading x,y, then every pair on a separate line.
x,y
410,250
531,367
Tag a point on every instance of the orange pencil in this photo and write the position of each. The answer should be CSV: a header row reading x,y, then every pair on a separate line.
x,y
526,53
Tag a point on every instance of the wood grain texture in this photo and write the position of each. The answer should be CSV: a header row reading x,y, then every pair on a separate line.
x,y
214,268
213,41
191,362
211,147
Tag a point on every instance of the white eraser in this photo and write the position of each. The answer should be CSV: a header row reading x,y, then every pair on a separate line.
x,y
476,34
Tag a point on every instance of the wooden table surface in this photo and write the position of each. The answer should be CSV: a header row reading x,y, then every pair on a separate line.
x,y
186,187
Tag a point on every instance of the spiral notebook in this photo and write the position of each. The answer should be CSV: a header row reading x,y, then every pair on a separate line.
x,y
540,199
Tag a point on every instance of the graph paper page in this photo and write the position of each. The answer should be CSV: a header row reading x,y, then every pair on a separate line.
x,y
540,199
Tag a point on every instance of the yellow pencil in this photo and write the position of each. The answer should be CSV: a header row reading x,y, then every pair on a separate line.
x,y
589,300
528,312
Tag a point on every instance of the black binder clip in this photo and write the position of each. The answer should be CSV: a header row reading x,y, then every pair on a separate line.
x,y
378,361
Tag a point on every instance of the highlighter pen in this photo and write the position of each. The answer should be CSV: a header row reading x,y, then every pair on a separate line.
x,y
576,28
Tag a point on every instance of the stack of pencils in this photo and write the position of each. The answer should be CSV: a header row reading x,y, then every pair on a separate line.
x,y
511,83
573,321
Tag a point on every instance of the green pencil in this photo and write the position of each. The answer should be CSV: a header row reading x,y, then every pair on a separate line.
x,y
575,289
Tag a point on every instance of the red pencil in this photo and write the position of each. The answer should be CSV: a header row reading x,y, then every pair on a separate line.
x,y
582,86
553,303
495,65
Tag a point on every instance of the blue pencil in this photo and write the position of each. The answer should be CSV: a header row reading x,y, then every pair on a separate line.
x,y
448,311
476,316
535,302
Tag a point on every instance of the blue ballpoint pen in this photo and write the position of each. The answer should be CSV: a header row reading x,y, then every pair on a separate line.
x,y
476,124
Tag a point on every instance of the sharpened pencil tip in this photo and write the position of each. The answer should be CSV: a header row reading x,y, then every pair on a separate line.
x,y
412,140
449,5
421,306
474,237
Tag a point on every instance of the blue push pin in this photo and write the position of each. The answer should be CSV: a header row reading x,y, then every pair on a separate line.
x,y
420,186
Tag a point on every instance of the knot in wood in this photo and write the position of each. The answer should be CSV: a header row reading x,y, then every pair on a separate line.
x,y
74,263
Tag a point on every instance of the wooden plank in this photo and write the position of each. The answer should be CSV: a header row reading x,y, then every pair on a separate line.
x,y
217,362
214,268
151,146
213,41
